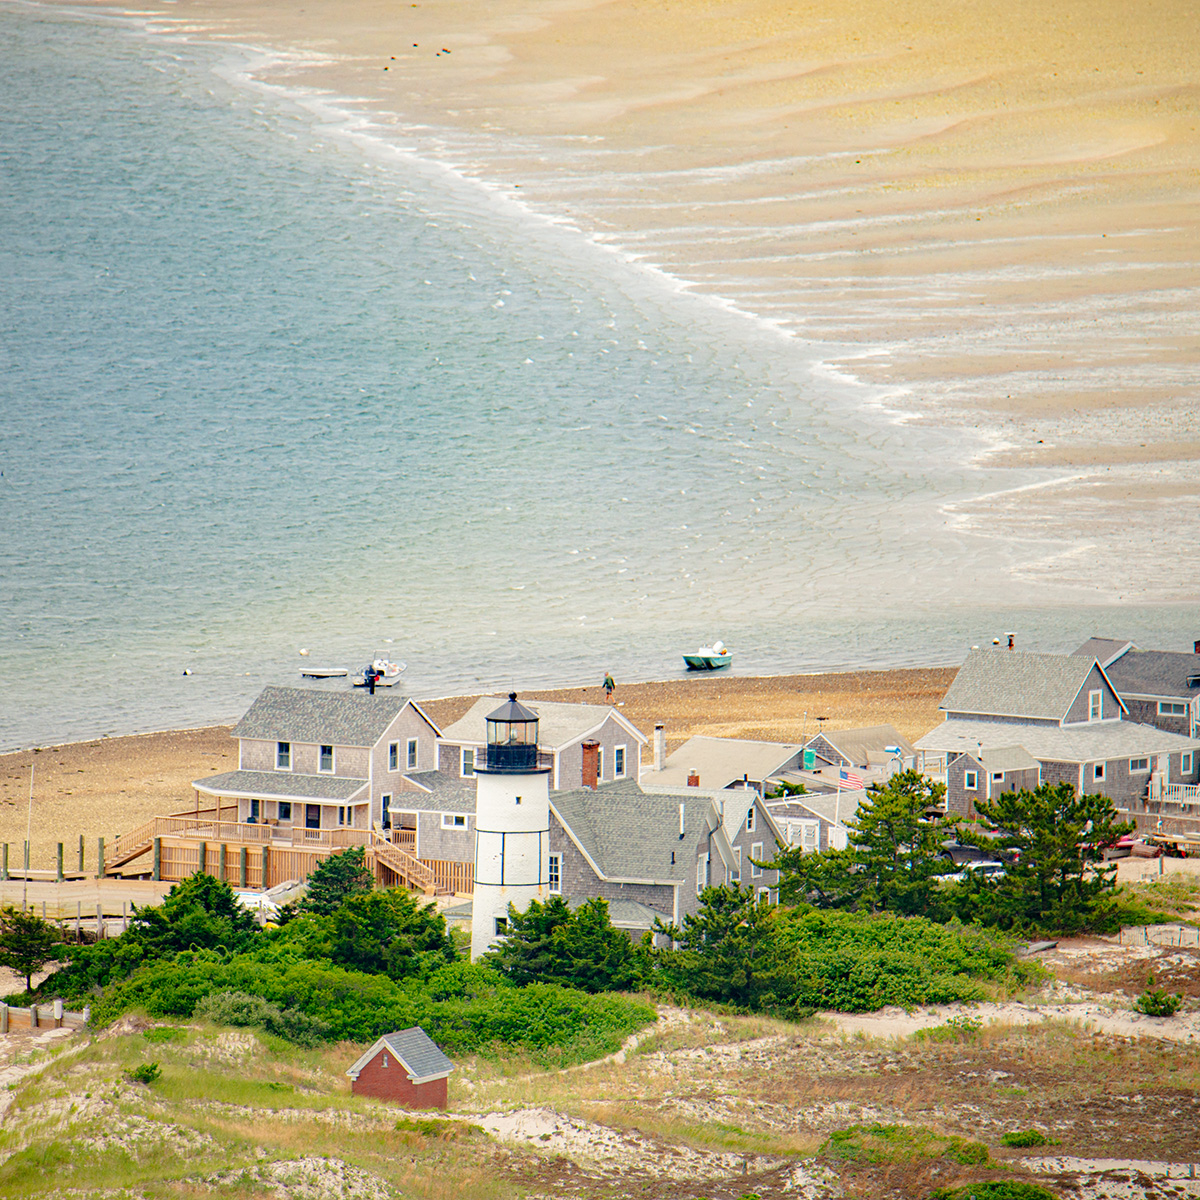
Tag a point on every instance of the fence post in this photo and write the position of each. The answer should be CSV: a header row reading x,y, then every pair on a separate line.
x,y
4,867
99,858
60,862
99,922
203,858
157,858
58,1014
3,1017
245,856
33,1016
224,855
26,860
78,916
265,856
81,854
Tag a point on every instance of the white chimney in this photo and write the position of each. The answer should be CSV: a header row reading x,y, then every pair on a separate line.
x,y
660,747
681,808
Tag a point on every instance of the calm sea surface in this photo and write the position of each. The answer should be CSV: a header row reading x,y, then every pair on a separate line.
x,y
268,382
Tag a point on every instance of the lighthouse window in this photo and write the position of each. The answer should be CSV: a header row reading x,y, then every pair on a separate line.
x,y
501,926
518,799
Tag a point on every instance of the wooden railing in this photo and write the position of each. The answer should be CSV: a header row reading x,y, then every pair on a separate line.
x,y
1181,793
130,845
414,872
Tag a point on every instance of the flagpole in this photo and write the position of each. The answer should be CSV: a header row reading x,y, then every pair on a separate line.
x,y
28,835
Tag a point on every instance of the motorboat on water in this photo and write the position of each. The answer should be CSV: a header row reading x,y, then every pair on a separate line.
x,y
709,658
325,673
380,672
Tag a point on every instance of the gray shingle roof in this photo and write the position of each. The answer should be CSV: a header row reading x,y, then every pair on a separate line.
x,y
1103,650
1010,683
834,807
558,724
631,834
1049,743
626,914
440,793
284,785
1156,673
722,761
321,718
416,1050
866,746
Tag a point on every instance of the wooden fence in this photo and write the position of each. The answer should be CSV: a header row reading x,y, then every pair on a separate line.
x,y
41,1016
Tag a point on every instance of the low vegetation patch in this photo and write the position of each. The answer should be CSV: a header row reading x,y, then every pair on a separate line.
x,y
1157,1001
878,1144
1023,1139
994,1189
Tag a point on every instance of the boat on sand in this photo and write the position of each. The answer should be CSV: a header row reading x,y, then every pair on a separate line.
x,y
709,658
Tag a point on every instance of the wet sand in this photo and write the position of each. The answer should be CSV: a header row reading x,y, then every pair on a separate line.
x,y
103,788
990,211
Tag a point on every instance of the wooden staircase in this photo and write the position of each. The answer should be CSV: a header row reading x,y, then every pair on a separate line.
x,y
129,846
413,872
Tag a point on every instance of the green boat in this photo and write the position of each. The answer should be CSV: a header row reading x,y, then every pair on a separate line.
x,y
709,658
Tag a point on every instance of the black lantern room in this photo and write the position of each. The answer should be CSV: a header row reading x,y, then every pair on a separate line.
x,y
512,734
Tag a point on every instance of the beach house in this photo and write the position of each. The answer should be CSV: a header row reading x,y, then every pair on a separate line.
x,y
1157,687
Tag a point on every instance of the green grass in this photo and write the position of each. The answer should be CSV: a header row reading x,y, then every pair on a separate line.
x,y
877,1144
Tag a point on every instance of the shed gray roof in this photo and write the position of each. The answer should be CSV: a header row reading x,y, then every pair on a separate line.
x,y
558,724
1156,673
1010,683
416,1052
1096,742
721,762
282,785
631,834
865,746
322,718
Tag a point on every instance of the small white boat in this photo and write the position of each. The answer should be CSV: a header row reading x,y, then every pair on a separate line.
x,y
709,658
325,673
381,672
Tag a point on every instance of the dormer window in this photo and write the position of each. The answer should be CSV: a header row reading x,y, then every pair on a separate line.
x,y
1095,706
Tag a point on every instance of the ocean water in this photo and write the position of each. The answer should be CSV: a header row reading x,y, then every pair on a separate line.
x,y
270,381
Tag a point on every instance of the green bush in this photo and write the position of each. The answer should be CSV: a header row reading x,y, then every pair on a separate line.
x,y
1022,1139
147,1073
239,1008
994,1189
878,1144
1156,1002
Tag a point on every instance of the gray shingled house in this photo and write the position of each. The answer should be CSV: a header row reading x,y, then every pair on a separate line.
x,y
1064,711
562,731
1157,687
717,763
323,760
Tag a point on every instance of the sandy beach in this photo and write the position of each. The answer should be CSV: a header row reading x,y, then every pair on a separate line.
x,y
102,788
989,211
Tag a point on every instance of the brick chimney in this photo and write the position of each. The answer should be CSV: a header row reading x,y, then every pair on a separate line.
x,y
693,777
591,764
660,745
1196,648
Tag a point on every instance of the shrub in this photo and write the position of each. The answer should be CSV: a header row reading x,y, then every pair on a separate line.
x,y
994,1189
239,1008
877,1144
147,1073
1157,1002
1021,1139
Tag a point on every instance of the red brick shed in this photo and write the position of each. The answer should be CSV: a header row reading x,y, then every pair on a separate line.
x,y
403,1068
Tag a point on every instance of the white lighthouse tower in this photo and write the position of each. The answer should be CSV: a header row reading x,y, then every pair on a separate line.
x,y
512,824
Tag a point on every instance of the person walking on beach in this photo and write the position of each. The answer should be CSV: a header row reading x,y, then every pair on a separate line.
x,y
609,684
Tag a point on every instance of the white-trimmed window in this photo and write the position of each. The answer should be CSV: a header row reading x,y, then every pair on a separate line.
x,y
971,781
599,763
756,857
284,810
764,894
1185,763
341,814
325,761
386,817
554,873
701,873
737,864
468,760
1138,764
1172,708
412,754
393,756
1095,706
997,776
1098,772
750,819
454,820
385,1059
283,756
618,762
255,807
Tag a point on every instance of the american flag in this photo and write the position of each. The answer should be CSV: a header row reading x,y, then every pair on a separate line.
x,y
850,779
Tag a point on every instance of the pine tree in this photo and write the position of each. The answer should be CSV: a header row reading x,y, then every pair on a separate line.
x,y
335,880
26,943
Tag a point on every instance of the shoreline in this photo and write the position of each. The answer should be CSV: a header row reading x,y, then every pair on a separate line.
x,y
105,786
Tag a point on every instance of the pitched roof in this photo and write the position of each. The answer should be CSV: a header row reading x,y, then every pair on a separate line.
x,y
867,745
1051,743
835,807
1104,650
625,914
1156,673
282,785
722,761
630,834
558,724
1011,683
439,792
333,718
415,1051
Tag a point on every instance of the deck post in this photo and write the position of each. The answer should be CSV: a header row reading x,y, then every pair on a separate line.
x,y
157,859
81,854
245,856
224,854
33,1016
99,922
99,858
4,867
58,1014
3,1017
78,918
60,863
265,857
26,860
203,855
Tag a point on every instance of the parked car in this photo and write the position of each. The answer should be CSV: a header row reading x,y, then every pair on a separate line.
x,y
984,870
